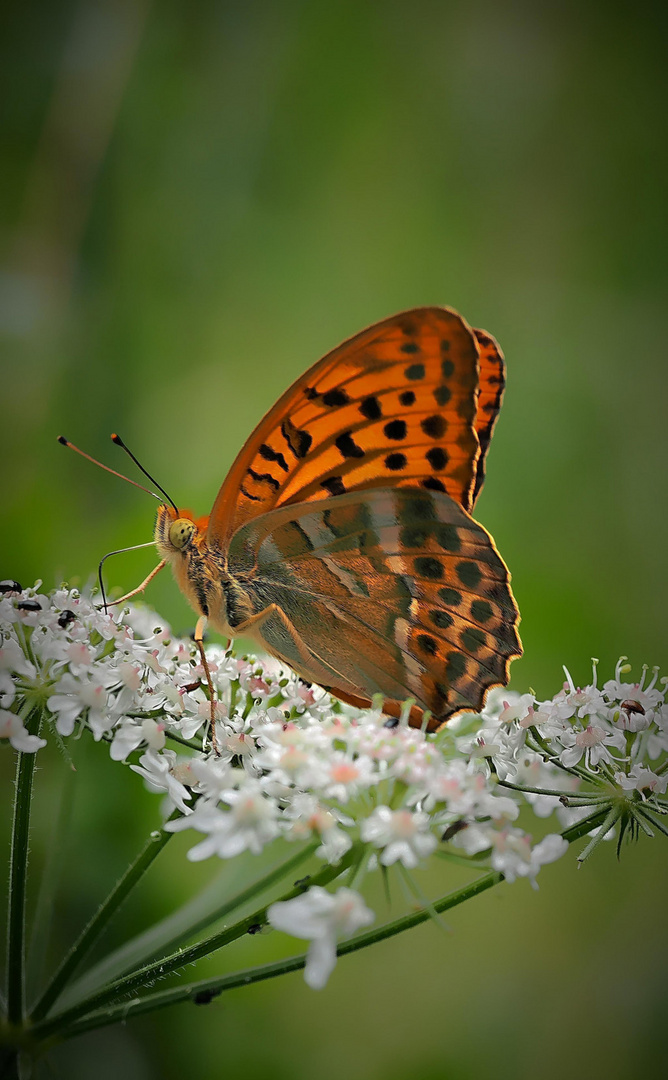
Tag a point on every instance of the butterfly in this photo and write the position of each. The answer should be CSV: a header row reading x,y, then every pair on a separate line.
x,y
342,542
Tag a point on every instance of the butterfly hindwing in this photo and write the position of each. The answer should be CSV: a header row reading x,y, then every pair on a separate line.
x,y
390,591
395,406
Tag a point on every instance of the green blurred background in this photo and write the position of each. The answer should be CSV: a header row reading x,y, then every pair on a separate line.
x,y
200,199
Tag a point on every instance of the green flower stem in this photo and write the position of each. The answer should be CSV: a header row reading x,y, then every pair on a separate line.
x,y
557,794
656,821
613,816
79,1019
18,875
9,1063
183,957
206,989
91,932
149,945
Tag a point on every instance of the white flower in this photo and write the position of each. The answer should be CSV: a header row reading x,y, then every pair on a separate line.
x,y
248,826
518,709
310,817
642,779
12,658
127,737
593,741
12,728
347,776
74,695
403,835
513,855
322,918
158,772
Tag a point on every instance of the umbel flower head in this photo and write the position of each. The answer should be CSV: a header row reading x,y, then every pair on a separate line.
x,y
295,764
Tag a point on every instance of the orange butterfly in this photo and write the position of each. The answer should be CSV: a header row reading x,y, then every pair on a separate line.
x,y
341,541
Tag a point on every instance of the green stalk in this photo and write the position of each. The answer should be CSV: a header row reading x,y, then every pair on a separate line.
x,y
613,816
106,1011
209,988
556,794
203,991
97,923
181,926
183,957
18,876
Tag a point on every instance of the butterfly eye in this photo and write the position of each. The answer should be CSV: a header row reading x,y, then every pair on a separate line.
x,y
180,532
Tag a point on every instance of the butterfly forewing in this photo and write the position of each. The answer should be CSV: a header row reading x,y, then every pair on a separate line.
x,y
394,406
392,591
492,386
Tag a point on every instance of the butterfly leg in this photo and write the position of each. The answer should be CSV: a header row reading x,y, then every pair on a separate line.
x,y
199,641
290,649
140,588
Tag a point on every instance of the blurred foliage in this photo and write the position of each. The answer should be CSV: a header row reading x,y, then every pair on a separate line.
x,y
200,199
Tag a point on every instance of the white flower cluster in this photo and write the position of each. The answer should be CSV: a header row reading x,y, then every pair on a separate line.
x,y
615,737
294,763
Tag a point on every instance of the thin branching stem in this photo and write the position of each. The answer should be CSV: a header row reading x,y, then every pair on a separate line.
x,y
183,957
104,1008
91,932
206,989
557,794
18,877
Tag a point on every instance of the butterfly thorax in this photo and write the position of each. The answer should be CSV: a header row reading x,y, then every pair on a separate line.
x,y
200,570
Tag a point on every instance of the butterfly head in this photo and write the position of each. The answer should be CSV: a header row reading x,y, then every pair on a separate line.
x,y
178,532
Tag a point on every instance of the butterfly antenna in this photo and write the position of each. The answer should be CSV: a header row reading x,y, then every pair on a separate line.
x,y
104,558
120,551
119,442
66,442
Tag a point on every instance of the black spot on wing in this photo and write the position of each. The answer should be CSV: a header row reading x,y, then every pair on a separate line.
x,y
395,462
298,441
447,536
469,573
481,611
395,429
370,408
336,397
428,567
264,478
334,485
432,483
455,666
450,597
407,397
437,458
472,638
434,426
415,371
268,454
414,536
427,644
347,446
